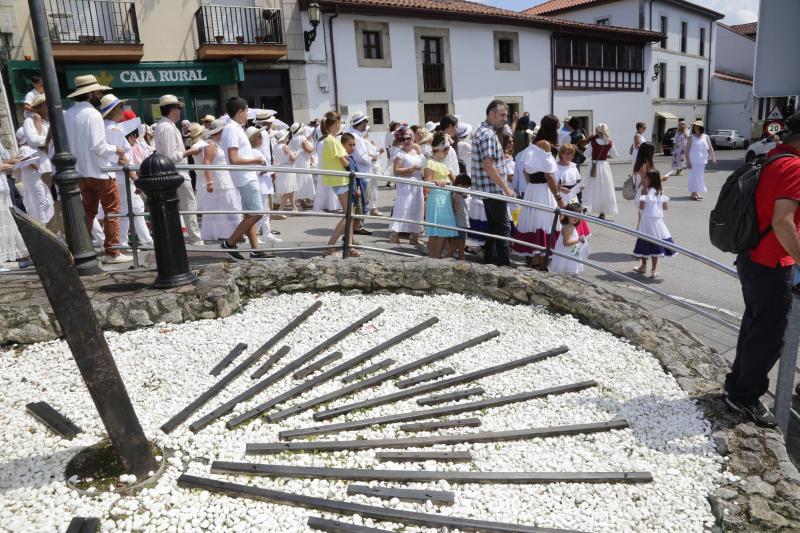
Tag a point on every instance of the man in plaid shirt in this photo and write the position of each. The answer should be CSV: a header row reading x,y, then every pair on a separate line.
x,y
487,154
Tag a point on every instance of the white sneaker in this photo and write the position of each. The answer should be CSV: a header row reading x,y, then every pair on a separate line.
x,y
121,258
266,239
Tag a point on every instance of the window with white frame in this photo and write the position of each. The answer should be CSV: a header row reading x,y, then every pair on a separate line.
x,y
506,50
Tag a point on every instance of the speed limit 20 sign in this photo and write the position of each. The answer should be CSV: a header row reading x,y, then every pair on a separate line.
x,y
773,128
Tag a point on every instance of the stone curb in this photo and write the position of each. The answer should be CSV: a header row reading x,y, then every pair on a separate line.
x,y
767,496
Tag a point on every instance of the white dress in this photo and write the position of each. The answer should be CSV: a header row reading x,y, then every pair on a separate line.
x,y
35,193
324,199
534,225
635,152
652,224
564,265
409,203
285,182
698,157
569,176
12,247
600,196
305,182
224,198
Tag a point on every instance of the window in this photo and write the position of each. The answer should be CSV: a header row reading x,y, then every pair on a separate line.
x,y
434,112
662,81
700,76
506,49
702,41
432,66
377,117
664,28
603,21
431,50
372,45
684,35
682,84
582,63
378,112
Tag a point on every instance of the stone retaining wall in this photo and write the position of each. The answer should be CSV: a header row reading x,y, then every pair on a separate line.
x,y
766,499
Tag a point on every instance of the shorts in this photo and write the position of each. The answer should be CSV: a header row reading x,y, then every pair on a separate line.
x,y
250,193
340,189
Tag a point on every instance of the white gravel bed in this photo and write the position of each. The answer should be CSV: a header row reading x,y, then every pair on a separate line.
x,y
166,366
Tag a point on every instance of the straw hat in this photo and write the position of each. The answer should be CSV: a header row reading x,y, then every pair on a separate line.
x,y
208,118
265,116
217,126
108,103
38,100
196,130
699,124
280,136
252,131
463,130
169,99
295,127
357,118
86,84
425,136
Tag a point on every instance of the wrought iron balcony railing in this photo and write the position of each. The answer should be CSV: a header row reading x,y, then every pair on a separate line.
x,y
238,25
92,22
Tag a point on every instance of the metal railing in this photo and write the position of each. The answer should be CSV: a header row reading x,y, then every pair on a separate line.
x,y
238,25
788,364
92,22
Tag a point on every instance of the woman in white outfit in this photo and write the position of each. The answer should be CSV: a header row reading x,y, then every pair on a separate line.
x,y
600,196
285,182
12,247
303,149
638,139
698,148
35,193
217,192
136,156
409,203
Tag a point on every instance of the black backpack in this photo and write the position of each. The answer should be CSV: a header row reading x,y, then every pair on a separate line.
x,y
733,225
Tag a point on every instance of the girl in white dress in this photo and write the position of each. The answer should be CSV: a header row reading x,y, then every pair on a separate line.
x,y
599,196
571,243
302,147
698,148
285,182
217,192
567,174
653,204
409,203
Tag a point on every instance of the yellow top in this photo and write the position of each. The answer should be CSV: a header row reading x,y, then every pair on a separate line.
x,y
440,171
332,154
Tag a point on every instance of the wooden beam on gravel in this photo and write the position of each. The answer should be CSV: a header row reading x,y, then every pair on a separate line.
x,y
416,380
424,476
451,396
438,385
330,374
433,440
228,359
278,375
442,424
435,412
201,400
365,511
313,367
380,378
364,372
334,526
267,365
441,497
55,421
421,457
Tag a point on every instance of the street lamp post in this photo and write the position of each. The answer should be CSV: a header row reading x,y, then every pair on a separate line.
x,y
66,177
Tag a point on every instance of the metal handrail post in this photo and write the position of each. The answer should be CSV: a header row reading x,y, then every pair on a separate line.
x,y
348,214
786,369
134,242
551,240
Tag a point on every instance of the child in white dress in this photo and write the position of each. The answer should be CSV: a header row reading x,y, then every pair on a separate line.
x,y
571,244
652,206
568,175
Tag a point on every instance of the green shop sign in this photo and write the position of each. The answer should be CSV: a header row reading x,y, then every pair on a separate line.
x,y
158,74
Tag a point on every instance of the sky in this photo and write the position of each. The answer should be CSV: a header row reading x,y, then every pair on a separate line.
x,y
736,11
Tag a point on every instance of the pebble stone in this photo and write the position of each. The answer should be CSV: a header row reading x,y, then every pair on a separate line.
x,y
166,366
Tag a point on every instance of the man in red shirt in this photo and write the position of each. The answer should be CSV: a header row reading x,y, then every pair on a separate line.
x,y
766,277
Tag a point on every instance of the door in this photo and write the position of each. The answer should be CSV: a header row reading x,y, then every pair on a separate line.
x,y
434,112
269,89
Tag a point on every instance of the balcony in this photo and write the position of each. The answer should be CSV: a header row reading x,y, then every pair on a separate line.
x,y
433,78
247,32
93,30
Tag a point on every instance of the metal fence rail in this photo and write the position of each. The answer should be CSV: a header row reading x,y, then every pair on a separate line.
x,y
785,381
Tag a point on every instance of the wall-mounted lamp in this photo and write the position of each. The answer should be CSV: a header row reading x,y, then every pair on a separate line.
x,y
656,71
314,16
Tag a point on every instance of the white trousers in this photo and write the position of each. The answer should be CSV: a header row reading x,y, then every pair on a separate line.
x,y
187,202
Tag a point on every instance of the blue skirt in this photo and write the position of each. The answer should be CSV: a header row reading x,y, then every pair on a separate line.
x,y
650,249
439,210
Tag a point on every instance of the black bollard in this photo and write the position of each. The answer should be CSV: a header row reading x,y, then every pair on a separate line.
x,y
160,181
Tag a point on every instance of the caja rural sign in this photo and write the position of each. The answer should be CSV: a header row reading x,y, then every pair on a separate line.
x,y
157,74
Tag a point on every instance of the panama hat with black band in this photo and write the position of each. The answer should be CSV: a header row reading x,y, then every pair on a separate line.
x,y
86,84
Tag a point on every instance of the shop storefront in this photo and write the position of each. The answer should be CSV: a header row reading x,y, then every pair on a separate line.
x,y
199,85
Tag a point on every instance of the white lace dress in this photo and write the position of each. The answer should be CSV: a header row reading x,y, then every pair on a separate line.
x,y
409,203
305,182
224,198
12,247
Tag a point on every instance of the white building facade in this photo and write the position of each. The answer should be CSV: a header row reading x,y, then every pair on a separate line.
x,y
732,104
679,69
415,64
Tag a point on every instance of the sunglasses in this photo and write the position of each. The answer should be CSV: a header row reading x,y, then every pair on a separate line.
x,y
406,139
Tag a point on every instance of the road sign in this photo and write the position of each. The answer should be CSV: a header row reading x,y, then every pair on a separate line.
x,y
773,128
776,38
775,114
